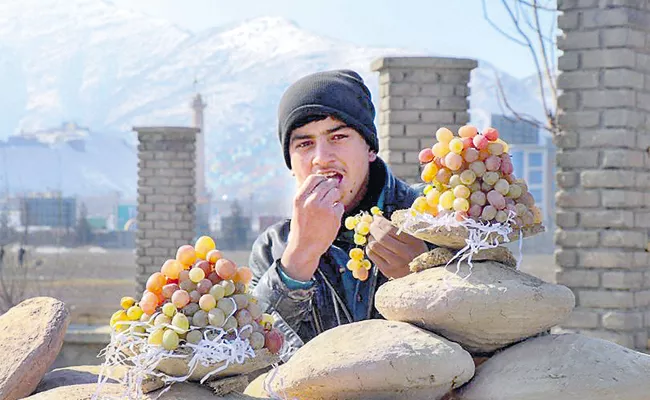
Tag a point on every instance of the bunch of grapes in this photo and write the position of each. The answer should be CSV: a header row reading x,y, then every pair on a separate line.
x,y
471,175
197,291
360,223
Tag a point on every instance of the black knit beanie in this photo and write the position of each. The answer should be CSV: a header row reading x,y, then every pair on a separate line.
x,y
341,94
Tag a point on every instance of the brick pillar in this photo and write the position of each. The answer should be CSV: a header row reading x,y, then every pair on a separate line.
x,y
418,95
166,196
603,198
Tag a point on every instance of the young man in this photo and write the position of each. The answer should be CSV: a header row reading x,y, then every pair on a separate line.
x,y
327,131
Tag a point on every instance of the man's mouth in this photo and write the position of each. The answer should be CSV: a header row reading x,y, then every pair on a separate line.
x,y
333,175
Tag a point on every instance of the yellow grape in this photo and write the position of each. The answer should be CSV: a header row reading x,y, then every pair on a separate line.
x,y
427,189
367,218
267,321
375,210
429,172
366,264
181,321
351,222
447,200
456,145
127,302
461,204
353,264
356,254
420,204
440,150
203,246
467,177
156,337
169,309
119,315
134,313
432,210
444,135
461,191
433,198
359,240
363,228
197,274
161,319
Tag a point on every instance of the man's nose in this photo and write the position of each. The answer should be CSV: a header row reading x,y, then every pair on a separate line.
x,y
323,154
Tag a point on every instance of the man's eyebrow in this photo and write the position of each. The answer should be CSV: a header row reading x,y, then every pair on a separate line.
x,y
301,136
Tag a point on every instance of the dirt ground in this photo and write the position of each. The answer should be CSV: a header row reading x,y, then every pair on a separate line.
x,y
91,281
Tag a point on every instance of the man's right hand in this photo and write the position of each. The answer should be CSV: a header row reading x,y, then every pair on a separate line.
x,y
315,223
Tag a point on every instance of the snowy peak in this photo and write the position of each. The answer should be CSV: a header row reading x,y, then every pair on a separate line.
x,y
108,69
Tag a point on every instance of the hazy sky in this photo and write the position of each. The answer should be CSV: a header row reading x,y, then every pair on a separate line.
x,y
455,28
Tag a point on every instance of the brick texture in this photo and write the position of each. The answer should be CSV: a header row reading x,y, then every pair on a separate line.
x,y
419,95
166,190
603,167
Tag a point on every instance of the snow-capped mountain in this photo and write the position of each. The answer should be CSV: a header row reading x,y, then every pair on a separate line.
x,y
98,66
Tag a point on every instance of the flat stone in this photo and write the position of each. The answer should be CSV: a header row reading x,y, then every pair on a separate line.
x,y
178,391
561,367
224,386
373,359
483,308
177,366
452,237
31,336
256,387
83,374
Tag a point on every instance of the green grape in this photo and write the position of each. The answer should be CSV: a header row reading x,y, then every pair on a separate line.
x,y
216,317
170,339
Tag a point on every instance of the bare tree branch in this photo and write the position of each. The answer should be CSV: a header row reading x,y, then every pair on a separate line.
x,y
550,75
545,68
495,26
543,8
519,115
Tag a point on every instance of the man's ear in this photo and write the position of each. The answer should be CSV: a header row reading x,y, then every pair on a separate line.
x,y
372,156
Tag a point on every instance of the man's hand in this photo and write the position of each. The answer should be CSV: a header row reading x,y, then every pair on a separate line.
x,y
315,223
390,252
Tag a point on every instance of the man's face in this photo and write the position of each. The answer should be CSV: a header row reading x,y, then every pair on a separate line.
x,y
329,147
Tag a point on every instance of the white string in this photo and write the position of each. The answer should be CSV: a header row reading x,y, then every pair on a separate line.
x,y
131,349
478,233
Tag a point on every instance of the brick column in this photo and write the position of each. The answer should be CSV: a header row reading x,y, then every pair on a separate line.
x,y
166,196
603,199
418,95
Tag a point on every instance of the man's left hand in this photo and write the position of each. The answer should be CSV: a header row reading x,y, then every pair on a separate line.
x,y
390,252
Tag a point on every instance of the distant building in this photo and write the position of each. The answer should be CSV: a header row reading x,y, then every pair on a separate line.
x,y
48,211
126,217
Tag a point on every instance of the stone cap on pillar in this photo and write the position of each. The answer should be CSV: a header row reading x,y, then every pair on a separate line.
x,y
423,62
166,129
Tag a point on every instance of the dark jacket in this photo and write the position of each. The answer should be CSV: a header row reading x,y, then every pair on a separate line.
x,y
333,297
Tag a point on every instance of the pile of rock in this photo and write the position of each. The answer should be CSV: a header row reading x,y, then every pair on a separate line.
x,y
31,337
467,333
